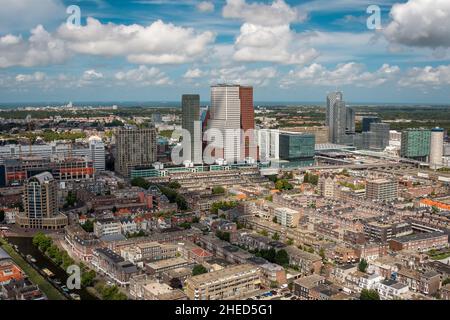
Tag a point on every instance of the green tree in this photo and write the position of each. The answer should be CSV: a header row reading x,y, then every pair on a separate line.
x,y
218,190
87,278
362,266
174,185
282,258
88,226
225,236
369,295
140,182
199,269
276,236
446,281
322,254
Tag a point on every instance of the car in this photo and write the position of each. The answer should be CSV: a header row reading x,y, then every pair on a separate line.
x,y
288,295
274,292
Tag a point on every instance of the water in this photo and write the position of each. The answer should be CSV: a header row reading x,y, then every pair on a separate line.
x,y
42,261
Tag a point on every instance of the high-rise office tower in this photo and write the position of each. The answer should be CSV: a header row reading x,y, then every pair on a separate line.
x,y
336,117
436,148
350,120
40,202
97,153
366,121
268,144
191,122
416,144
134,147
248,121
380,135
232,110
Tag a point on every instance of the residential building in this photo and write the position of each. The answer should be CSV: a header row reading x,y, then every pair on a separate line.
x,y
382,190
40,202
230,283
135,147
114,266
420,242
303,285
287,217
106,227
268,144
391,289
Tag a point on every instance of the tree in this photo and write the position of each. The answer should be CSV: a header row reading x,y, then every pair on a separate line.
x,y
322,254
282,258
276,236
174,185
446,281
225,236
140,182
274,220
88,226
199,269
71,199
218,190
369,295
362,266
87,278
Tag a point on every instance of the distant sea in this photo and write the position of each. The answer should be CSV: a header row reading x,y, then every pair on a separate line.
x,y
177,104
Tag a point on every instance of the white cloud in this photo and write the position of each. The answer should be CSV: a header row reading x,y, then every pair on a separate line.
x,y
90,75
272,44
158,43
266,35
344,74
279,12
26,14
241,75
193,74
143,76
35,77
420,23
41,48
205,6
427,77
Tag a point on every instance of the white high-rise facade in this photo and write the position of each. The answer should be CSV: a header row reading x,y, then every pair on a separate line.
x,y
226,117
269,144
436,148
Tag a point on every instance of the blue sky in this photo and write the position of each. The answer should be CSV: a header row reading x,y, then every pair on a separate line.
x,y
149,50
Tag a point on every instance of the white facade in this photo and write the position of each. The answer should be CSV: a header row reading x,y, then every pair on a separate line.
x,y
226,117
269,144
436,148
106,228
287,217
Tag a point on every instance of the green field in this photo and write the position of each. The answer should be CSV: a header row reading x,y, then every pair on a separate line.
x,y
51,292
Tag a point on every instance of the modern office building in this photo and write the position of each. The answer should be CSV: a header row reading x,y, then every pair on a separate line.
x,y
380,137
436,148
336,117
134,147
230,283
382,190
350,121
297,147
232,110
191,122
40,202
321,133
416,144
268,144
366,121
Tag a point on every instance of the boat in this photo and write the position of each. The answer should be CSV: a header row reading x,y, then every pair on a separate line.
x,y
30,258
75,296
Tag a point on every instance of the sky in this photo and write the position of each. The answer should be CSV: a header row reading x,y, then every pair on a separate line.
x,y
289,50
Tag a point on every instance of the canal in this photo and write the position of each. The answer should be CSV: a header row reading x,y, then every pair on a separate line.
x,y
26,247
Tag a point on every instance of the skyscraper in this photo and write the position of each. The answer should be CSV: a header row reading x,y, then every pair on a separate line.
x,y
336,117
350,120
40,202
134,147
380,135
436,147
298,148
191,123
416,144
232,110
366,121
